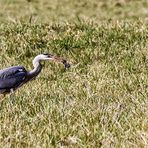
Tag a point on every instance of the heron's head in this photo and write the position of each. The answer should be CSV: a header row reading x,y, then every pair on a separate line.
x,y
56,59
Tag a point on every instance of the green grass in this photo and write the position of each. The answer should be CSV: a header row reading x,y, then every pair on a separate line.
x,y
102,100
68,10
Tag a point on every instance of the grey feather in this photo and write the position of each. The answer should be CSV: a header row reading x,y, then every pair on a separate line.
x,y
12,77
8,72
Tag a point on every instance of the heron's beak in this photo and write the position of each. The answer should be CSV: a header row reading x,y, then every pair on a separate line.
x,y
61,60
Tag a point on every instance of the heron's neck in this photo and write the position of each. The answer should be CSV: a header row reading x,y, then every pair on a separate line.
x,y
37,67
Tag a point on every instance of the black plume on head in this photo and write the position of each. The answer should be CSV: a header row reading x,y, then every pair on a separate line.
x,y
47,54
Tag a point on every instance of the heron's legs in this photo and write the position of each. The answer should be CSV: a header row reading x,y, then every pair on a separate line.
x,y
2,97
12,97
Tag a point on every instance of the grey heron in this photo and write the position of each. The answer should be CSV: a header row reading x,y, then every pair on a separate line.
x,y
14,77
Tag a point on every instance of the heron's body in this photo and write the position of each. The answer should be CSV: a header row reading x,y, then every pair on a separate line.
x,y
13,77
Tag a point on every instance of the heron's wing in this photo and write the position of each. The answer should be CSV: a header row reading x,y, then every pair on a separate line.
x,y
12,77
8,72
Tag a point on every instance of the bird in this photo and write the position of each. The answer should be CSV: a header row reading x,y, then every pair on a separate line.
x,y
12,78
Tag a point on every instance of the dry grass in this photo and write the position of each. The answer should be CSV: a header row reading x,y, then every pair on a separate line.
x,y
101,101
71,11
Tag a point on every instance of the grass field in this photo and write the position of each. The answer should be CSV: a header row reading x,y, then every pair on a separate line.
x,y
102,100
